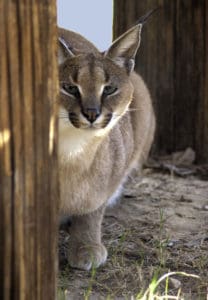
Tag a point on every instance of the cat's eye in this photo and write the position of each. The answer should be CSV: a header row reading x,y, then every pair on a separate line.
x,y
109,90
71,89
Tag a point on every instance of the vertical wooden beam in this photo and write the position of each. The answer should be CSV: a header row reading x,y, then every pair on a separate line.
x,y
204,108
28,153
155,63
206,84
173,61
155,60
189,76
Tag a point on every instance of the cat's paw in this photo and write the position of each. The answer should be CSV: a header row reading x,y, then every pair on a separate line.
x,y
87,256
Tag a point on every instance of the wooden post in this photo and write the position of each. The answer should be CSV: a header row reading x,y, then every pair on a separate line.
x,y
28,154
173,60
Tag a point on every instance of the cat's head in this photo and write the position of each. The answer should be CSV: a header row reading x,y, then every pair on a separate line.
x,y
95,88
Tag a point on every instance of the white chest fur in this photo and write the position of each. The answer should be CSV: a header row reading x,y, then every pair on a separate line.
x,y
72,141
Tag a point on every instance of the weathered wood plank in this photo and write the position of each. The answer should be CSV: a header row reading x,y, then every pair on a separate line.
x,y
173,61
5,169
28,155
203,138
206,86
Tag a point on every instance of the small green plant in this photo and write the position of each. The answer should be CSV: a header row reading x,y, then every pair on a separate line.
x,y
61,294
92,279
117,252
151,292
162,242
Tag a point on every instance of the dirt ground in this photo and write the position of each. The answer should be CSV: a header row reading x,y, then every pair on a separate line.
x,y
159,225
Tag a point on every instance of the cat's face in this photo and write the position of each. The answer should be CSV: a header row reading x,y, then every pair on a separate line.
x,y
94,91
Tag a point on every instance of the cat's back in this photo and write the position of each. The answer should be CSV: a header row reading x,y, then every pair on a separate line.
x,y
77,42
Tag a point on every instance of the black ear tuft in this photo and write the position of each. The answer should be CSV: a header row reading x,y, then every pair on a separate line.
x,y
124,49
142,20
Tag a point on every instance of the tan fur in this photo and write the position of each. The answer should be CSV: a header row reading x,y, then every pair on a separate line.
x,y
94,162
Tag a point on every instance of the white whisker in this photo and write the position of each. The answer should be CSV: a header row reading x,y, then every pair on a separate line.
x,y
133,109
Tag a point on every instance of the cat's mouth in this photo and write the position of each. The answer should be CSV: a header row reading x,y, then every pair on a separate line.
x,y
80,121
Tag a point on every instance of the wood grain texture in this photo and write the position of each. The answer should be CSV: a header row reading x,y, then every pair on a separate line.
x,y
173,61
204,108
28,154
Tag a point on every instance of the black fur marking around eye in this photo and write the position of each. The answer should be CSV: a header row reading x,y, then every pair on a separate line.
x,y
107,77
74,74
71,89
109,90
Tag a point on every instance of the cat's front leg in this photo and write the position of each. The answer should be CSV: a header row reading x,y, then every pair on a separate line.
x,y
86,249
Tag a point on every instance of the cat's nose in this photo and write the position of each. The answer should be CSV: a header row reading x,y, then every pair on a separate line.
x,y
91,114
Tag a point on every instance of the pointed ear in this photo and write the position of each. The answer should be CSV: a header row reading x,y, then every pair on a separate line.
x,y
124,49
64,51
